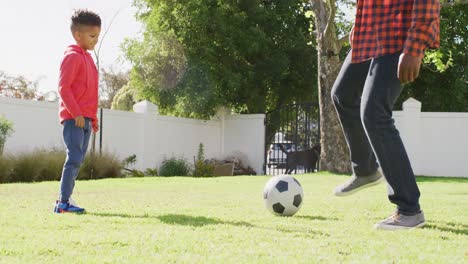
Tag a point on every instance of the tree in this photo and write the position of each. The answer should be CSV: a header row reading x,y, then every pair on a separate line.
x,y
19,87
6,129
335,154
111,82
443,82
197,55
124,99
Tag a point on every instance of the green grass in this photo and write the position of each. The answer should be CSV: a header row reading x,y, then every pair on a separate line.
x,y
223,220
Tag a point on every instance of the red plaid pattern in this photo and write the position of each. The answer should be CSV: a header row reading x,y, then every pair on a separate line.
x,y
387,26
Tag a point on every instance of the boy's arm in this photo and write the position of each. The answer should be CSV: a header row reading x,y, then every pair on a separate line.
x,y
424,30
68,72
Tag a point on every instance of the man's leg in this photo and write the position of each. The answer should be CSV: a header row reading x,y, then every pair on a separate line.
x,y
380,93
346,96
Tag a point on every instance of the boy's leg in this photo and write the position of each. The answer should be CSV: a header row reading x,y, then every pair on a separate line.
x,y
74,138
346,96
381,90
86,136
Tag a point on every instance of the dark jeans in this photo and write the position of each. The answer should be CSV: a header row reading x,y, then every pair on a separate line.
x,y
76,140
364,94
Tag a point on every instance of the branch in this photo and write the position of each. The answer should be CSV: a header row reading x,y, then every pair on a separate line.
x,y
103,37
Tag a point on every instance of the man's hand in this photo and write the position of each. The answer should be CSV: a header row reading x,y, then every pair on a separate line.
x,y
408,68
79,121
351,36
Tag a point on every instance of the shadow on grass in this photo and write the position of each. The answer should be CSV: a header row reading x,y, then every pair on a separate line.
x,y
316,217
441,179
455,228
189,220
178,219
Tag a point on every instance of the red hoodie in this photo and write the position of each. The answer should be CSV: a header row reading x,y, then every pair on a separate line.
x,y
78,85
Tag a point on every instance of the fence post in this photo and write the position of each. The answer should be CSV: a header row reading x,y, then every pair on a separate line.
x,y
411,121
221,114
149,110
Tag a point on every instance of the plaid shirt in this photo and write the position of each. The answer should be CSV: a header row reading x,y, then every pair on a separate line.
x,y
388,26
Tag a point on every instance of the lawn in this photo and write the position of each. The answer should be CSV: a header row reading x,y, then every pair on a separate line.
x,y
223,220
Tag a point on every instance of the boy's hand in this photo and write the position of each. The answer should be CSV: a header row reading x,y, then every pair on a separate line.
x,y
408,68
79,121
95,125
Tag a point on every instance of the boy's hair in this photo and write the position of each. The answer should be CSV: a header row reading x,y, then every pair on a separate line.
x,y
84,17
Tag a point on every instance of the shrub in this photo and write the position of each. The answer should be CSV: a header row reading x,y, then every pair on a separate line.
x,y
151,172
174,167
6,165
202,168
6,129
46,165
101,166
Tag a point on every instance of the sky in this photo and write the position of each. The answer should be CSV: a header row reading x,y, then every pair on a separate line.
x,y
35,34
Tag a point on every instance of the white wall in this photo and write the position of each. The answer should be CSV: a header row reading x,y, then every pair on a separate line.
x,y
437,143
147,134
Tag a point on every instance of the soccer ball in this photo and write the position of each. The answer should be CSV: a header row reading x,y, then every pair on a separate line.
x,y
283,195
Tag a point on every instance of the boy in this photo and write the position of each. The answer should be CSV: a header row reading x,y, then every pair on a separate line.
x,y
78,88
388,42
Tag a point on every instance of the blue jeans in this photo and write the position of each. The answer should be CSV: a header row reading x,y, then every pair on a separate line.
x,y
364,95
76,140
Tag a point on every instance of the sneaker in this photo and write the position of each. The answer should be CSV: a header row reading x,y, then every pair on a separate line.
x,y
67,208
358,183
72,202
399,221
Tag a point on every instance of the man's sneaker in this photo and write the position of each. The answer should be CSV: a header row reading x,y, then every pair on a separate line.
x,y
399,221
67,208
358,183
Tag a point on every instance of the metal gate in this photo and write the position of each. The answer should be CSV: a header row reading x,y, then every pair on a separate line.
x,y
292,139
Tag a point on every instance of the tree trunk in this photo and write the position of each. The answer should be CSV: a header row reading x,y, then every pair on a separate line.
x,y
335,154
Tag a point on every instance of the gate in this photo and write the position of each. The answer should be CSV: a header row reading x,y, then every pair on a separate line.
x,y
292,139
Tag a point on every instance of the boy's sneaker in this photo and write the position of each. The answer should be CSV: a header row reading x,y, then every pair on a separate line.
x,y
358,183
67,208
399,221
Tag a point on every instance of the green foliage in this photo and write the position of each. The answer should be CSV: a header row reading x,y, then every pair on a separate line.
x,y
443,82
174,167
202,168
124,99
6,129
111,81
151,172
100,166
46,165
197,55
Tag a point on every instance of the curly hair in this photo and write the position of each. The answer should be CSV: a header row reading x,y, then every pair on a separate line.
x,y
84,17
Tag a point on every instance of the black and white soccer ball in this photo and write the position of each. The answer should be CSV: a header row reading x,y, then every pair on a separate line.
x,y
283,195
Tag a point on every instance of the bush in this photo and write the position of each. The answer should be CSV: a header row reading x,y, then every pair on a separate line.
x,y
174,167
202,168
100,167
6,129
6,165
38,165
47,165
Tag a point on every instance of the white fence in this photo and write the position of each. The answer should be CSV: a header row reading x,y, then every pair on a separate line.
x,y
147,134
437,143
